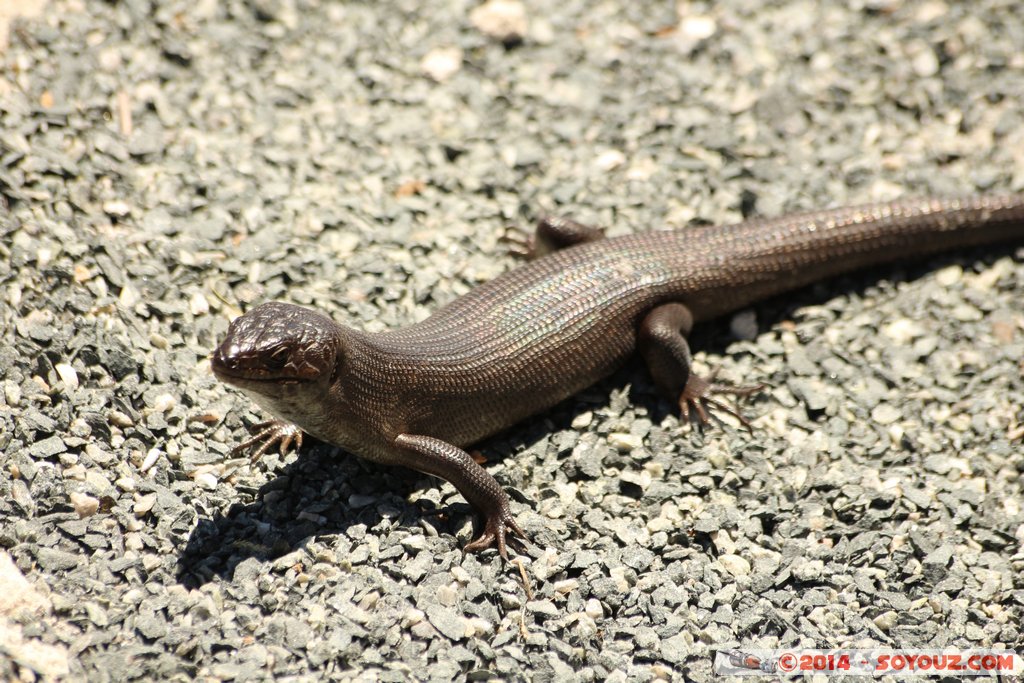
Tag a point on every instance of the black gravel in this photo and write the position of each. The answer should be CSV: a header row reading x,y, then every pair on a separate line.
x,y
165,165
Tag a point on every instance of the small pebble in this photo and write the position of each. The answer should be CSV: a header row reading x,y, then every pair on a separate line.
x,y
67,375
84,505
442,63
144,504
735,565
625,442
151,458
503,20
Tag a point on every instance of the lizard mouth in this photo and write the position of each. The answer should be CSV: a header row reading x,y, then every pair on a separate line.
x,y
234,373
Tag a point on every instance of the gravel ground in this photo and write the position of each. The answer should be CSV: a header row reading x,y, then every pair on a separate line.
x,y
168,164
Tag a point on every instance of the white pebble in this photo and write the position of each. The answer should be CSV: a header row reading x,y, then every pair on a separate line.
x,y
949,276
902,331
412,617
119,419
885,414
84,504
14,292
442,63
43,257
151,458
886,620
625,442
208,480
12,393
144,504
698,27
128,297
583,420
198,304
67,375
610,160
925,63
116,208
735,565
504,20
164,403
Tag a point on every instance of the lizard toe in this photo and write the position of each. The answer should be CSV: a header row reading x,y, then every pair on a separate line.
x,y
267,434
697,402
518,242
500,531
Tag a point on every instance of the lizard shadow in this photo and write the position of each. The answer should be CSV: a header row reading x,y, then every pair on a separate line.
x,y
322,492
326,491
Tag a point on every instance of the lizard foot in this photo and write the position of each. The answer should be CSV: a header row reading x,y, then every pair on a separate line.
x,y
552,233
268,433
696,402
500,530
519,243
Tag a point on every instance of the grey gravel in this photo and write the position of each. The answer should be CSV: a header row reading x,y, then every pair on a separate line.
x,y
165,165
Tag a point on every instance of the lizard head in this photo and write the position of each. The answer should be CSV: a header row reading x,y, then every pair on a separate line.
x,y
277,349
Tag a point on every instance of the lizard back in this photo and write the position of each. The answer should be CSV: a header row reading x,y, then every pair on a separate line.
x,y
541,332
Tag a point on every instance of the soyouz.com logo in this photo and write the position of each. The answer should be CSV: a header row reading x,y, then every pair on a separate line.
x,y
756,662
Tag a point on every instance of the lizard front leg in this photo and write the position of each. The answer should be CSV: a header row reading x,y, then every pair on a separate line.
x,y
661,340
441,459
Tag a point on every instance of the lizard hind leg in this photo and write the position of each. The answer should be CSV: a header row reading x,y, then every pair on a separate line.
x,y
661,341
552,233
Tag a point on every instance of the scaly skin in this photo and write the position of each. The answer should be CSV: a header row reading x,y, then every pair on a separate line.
x,y
542,332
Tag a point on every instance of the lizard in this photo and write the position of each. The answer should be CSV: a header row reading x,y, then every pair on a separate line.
x,y
418,396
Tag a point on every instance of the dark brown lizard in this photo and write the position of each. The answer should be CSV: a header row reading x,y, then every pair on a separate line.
x,y
538,334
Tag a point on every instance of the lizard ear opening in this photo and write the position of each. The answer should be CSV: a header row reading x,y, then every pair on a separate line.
x,y
339,360
314,346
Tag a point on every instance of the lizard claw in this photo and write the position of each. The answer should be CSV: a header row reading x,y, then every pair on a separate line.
x,y
519,242
500,530
268,433
696,402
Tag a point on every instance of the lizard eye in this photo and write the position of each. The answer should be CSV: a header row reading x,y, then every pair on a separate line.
x,y
278,358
